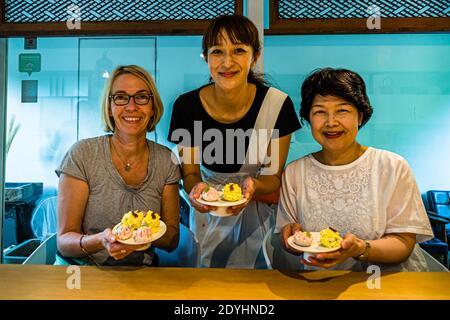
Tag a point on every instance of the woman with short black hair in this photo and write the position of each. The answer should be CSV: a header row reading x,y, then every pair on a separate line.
x,y
336,82
368,195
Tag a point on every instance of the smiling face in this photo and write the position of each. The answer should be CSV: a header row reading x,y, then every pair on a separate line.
x,y
230,63
334,123
130,119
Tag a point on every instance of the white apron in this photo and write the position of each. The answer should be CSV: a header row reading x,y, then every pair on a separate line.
x,y
236,241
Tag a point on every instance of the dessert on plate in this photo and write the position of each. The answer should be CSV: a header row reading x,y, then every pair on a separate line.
x,y
123,232
132,219
143,235
138,225
232,192
330,238
210,194
303,239
151,220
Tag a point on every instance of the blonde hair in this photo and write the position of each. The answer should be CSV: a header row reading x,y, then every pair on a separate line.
x,y
107,120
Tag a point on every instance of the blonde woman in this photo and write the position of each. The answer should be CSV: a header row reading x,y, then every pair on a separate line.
x,y
104,177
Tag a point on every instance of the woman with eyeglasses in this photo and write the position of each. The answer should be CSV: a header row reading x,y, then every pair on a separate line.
x,y
102,178
235,129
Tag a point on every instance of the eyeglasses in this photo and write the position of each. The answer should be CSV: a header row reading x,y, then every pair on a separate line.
x,y
123,99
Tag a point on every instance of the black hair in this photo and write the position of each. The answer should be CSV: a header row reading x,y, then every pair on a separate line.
x,y
342,83
240,29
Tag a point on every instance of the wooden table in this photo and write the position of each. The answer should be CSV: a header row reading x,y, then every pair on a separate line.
x,y
50,282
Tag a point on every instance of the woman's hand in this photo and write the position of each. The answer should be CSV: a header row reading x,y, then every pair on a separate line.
x,y
195,194
287,231
116,249
351,246
248,190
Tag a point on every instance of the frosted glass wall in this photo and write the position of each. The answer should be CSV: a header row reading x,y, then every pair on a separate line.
x,y
179,69
407,76
48,126
70,83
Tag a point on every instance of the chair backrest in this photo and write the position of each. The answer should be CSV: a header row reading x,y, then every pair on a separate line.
x,y
276,257
185,208
187,254
432,264
45,253
439,202
44,217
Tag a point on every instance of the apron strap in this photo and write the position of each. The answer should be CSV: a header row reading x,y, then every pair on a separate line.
x,y
270,109
263,129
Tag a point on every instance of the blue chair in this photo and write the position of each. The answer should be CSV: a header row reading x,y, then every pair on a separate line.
x,y
44,218
439,215
439,203
185,208
438,246
433,264
276,257
187,254
44,225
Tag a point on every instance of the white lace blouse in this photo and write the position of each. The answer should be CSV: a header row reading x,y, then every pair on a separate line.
x,y
370,197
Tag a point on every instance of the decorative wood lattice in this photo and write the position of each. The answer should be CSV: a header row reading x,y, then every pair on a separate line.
x,y
52,17
116,10
351,16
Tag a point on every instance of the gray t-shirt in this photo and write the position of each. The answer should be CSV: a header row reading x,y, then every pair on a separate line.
x,y
110,197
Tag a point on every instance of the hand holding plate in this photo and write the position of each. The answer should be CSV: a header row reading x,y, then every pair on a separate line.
x,y
288,231
195,195
350,247
115,249
248,190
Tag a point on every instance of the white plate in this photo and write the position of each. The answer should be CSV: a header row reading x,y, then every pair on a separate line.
x,y
222,206
155,236
315,246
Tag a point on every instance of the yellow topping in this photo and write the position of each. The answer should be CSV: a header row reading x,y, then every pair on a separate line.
x,y
133,219
232,192
151,220
330,238
136,219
